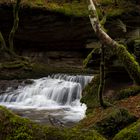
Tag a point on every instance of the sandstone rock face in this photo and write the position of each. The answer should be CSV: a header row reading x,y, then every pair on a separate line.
x,y
56,39
47,36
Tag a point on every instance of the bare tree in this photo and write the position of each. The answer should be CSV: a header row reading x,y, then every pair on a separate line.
x,y
129,62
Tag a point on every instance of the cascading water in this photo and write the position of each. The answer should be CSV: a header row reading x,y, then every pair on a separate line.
x,y
55,92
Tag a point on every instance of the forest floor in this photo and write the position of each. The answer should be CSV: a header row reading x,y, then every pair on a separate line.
x,y
132,104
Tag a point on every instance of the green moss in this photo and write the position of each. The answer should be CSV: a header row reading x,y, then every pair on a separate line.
x,y
69,8
13,127
125,93
72,134
90,93
116,12
89,57
129,62
79,8
17,64
39,2
131,132
114,122
36,70
87,135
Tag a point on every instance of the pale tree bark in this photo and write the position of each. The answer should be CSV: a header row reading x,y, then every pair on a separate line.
x,y
129,62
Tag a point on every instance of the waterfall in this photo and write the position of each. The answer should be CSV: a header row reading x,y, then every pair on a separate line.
x,y
52,92
83,80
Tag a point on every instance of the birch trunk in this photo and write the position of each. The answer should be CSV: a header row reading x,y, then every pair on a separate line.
x,y
129,62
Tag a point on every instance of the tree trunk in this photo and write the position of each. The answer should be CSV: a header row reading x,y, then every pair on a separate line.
x,y
102,78
5,50
15,25
124,56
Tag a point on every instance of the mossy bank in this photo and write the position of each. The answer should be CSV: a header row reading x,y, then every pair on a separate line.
x,y
13,127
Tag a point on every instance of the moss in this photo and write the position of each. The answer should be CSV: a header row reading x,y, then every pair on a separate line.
x,y
116,12
79,8
137,42
131,132
72,134
87,60
39,2
36,70
129,62
125,93
68,8
114,122
86,135
13,127
16,64
90,93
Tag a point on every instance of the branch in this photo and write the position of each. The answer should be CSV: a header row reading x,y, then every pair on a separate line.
x,y
55,122
129,62
15,24
89,57
102,35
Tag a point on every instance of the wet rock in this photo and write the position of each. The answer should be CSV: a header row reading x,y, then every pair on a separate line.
x,y
9,85
28,82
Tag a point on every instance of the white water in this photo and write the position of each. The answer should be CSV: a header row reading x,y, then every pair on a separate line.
x,y
58,91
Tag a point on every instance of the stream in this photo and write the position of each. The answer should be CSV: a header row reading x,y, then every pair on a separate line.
x,y
54,98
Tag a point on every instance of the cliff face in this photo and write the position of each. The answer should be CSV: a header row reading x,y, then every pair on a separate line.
x,y
47,36
57,39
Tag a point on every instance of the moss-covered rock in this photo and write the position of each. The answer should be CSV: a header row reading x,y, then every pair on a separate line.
x,y
37,70
68,8
12,127
90,93
17,65
114,122
137,49
131,132
127,92
73,134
